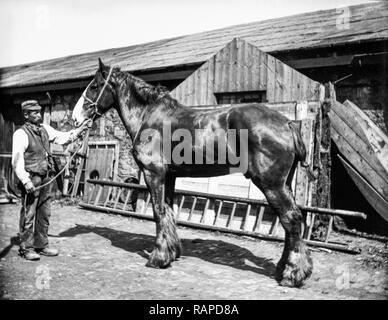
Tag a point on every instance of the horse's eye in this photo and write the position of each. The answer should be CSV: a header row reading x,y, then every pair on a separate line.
x,y
93,86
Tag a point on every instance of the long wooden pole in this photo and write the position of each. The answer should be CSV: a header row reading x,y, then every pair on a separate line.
x,y
78,174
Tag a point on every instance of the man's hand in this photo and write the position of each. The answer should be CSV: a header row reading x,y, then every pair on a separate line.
x,y
87,124
83,127
29,186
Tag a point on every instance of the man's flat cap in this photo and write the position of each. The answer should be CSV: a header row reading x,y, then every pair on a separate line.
x,y
31,105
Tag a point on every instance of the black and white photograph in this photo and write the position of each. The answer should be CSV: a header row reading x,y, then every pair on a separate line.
x,y
193,154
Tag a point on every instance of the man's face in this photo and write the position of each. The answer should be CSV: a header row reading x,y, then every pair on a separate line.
x,y
33,116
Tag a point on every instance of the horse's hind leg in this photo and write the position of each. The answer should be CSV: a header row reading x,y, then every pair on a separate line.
x,y
295,265
167,243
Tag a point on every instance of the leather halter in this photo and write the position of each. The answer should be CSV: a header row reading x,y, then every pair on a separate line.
x,y
95,103
97,112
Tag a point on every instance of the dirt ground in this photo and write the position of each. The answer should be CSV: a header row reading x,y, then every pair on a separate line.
x,y
103,256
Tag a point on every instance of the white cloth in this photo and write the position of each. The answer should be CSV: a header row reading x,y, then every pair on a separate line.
x,y
20,145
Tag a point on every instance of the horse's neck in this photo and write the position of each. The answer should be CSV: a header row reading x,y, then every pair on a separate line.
x,y
130,116
128,111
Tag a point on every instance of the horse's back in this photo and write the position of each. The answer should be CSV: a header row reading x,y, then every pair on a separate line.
x,y
258,113
244,116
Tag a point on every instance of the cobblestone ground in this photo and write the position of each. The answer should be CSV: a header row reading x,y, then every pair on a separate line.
x,y
103,256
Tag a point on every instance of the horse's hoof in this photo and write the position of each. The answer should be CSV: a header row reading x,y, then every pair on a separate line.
x,y
287,283
294,273
158,264
292,279
293,282
159,260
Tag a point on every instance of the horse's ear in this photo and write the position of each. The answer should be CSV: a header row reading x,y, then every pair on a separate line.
x,y
101,65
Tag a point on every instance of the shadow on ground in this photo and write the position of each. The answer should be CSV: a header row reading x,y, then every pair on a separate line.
x,y
14,241
213,251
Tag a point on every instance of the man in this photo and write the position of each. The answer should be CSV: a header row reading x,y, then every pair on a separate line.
x,y
32,163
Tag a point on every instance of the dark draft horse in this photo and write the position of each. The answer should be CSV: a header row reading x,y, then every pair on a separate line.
x,y
274,148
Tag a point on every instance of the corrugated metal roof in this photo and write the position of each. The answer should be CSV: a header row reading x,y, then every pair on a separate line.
x,y
367,22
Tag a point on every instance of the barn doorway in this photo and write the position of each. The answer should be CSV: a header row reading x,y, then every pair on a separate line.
x,y
345,195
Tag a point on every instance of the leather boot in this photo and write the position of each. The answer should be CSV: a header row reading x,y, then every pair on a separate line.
x,y
49,252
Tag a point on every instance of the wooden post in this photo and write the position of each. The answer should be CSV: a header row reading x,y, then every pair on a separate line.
x,y
322,159
78,174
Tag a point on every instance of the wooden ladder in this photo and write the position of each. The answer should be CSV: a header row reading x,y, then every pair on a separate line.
x,y
235,215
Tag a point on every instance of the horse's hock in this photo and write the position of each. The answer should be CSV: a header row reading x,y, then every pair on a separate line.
x,y
241,73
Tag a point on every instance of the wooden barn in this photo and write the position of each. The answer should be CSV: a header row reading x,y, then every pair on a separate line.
x,y
282,62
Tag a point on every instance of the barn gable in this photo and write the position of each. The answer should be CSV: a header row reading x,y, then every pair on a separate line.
x,y
241,72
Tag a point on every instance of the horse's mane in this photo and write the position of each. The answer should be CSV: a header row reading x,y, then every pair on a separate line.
x,y
149,94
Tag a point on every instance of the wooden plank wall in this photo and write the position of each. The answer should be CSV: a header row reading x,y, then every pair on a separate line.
x,y
6,132
242,67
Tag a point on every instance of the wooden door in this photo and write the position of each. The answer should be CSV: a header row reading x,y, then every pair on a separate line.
x,y
101,163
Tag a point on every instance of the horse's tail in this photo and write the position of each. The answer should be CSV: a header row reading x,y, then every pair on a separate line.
x,y
300,149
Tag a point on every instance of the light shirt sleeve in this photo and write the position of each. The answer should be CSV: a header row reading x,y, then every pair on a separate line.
x,y
19,146
59,137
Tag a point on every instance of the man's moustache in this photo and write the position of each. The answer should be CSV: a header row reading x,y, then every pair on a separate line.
x,y
37,121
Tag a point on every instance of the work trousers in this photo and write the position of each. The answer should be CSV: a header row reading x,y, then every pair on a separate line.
x,y
34,215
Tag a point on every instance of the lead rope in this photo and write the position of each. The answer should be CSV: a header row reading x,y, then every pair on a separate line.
x,y
60,172
66,165
95,104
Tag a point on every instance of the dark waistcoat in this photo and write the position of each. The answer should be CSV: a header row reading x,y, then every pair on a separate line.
x,y
36,155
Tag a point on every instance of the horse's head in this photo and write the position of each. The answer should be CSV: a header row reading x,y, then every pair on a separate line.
x,y
98,97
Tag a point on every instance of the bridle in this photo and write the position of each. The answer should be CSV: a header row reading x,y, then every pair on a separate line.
x,y
95,103
98,113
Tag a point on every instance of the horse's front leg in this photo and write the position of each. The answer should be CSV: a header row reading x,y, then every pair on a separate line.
x,y
167,243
